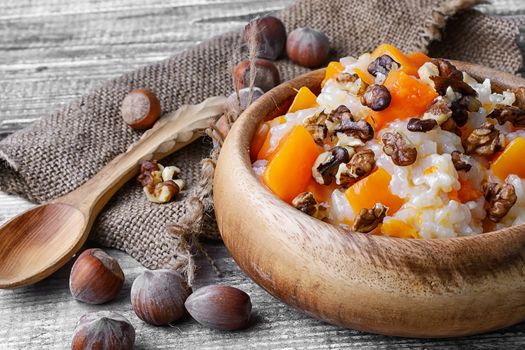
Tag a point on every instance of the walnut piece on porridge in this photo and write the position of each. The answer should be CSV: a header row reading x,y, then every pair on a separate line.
x,y
460,161
369,219
382,65
400,149
316,125
306,203
485,140
327,164
376,97
360,164
500,199
512,114
447,69
421,125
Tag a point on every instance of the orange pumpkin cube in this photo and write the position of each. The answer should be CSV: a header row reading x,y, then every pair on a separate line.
x,y
289,171
332,70
373,189
510,161
410,98
304,99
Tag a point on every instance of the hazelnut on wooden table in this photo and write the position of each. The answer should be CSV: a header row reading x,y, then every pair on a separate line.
x,y
158,296
96,277
140,109
104,330
220,307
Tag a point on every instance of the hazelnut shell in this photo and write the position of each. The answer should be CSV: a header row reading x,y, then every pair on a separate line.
x,y
270,36
103,330
220,307
266,76
96,277
158,296
308,47
140,109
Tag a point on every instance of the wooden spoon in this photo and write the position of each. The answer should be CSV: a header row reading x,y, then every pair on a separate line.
x,y
38,242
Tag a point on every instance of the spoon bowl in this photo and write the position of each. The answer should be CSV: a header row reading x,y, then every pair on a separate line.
x,y
36,242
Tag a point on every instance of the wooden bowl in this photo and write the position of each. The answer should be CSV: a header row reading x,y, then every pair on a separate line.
x,y
402,287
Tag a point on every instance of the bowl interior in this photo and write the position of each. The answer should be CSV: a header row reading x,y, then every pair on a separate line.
x,y
282,96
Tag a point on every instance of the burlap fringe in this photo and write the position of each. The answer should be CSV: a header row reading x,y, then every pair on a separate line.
x,y
438,19
189,228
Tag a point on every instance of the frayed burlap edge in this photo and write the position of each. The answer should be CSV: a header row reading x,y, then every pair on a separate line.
x,y
438,19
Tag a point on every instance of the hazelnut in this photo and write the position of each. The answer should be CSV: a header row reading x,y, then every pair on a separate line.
x,y
220,307
158,296
96,277
140,109
238,102
266,74
103,330
270,36
308,47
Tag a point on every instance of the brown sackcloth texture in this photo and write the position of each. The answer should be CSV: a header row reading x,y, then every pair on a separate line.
x,y
61,151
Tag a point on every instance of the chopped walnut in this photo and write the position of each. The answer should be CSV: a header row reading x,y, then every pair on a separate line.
x,y
339,114
163,192
460,161
451,126
442,83
519,92
400,149
376,97
500,199
306,203
511,114
160,184
170,173
316,125
369,219
359,165
359,129
462,106
447,69
485,140
352,83
469,103
421,125
382,65
438,110
327,164
346,141
150,174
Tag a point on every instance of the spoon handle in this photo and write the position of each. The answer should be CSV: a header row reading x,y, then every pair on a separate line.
x,y
170,133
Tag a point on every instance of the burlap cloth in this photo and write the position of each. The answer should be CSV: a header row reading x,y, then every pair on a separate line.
x,y
61,151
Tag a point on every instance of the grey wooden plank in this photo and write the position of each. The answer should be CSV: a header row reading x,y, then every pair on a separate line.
x,y
55,50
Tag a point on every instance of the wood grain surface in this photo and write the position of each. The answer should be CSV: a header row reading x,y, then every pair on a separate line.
x,y
53,51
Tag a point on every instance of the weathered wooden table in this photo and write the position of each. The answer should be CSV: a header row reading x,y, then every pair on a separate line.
x,y
55,50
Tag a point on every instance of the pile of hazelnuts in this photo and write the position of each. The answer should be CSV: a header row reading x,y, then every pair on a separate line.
x,y
304,46
158,297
